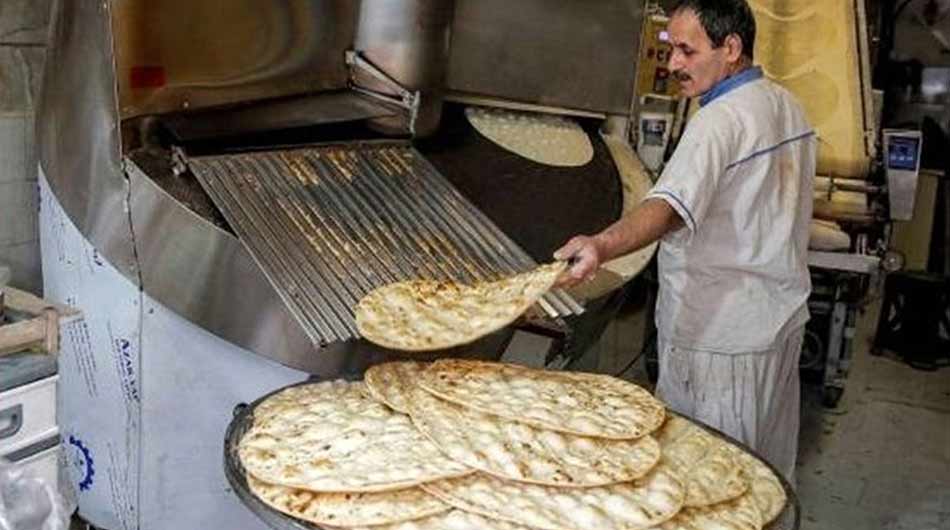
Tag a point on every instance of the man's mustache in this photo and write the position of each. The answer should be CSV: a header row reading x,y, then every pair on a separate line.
x,y
681,76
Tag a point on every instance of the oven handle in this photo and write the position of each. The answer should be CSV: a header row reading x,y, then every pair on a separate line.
x,y
13,415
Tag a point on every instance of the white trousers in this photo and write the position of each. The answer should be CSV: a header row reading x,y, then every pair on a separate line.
x,y
752,397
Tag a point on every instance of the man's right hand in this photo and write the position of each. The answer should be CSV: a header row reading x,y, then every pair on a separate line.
x,y
586,254
649,221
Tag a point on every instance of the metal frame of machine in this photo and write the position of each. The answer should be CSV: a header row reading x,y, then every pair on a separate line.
x,y
842,280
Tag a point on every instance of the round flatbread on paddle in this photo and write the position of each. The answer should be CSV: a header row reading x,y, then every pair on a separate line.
x,y
425,315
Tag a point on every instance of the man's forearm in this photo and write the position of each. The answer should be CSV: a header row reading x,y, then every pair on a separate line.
x,y
648,222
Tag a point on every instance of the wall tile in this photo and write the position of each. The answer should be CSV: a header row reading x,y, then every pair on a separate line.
x,y
15,139
24,262
24,21
14,94
18,212
33,61
21,72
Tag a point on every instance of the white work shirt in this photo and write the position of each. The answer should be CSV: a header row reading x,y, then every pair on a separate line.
x,y
741,179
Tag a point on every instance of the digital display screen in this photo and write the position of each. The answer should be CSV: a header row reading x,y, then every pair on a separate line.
x,y
902,152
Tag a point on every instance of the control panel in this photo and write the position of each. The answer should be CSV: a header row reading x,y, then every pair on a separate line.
x,y
902,161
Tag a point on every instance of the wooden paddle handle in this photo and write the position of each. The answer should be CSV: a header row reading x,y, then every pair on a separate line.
x,y
41,330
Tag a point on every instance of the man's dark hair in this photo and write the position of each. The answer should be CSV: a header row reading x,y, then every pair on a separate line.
x,y
721,18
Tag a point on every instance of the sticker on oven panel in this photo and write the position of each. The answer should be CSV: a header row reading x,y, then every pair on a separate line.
x,y
125,366
80,461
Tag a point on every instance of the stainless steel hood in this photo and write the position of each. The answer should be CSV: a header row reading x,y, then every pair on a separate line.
x,y
555,53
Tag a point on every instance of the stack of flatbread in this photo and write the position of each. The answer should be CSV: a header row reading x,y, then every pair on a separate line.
x,y
466,445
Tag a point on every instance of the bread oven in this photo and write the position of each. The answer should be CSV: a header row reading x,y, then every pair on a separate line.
x,y
221,181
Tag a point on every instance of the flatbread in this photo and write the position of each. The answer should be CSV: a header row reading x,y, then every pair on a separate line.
x,y
424,315
682,440
391,383
708,467
765,488
349,509
674,427
516,451
571,402
544,138
629,506
737,514
330,437
451,520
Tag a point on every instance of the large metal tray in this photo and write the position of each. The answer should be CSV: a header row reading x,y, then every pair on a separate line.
x,y
243,419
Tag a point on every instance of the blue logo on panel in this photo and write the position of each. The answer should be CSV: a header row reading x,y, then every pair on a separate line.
x,y
82,461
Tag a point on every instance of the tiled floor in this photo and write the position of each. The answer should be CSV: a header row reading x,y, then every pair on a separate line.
x,y
881,460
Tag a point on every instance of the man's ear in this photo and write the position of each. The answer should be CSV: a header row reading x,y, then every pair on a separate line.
x,y
733,45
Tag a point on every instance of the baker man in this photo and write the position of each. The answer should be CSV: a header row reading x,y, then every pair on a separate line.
x,y
732,210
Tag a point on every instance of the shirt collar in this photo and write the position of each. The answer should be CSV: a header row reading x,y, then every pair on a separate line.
x,y
731,83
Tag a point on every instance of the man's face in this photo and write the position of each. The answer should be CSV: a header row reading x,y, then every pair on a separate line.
x,y
695,63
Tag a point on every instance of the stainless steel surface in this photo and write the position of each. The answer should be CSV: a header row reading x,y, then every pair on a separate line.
x,y
236,475
844,261
328,224
393,93
577,55
836,362
409,40
180,54
204,274
287,113
482,101
188,264
77,126
902,194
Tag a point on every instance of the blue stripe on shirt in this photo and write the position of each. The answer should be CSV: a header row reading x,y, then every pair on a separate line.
x,y
671,195
691,220
770,149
